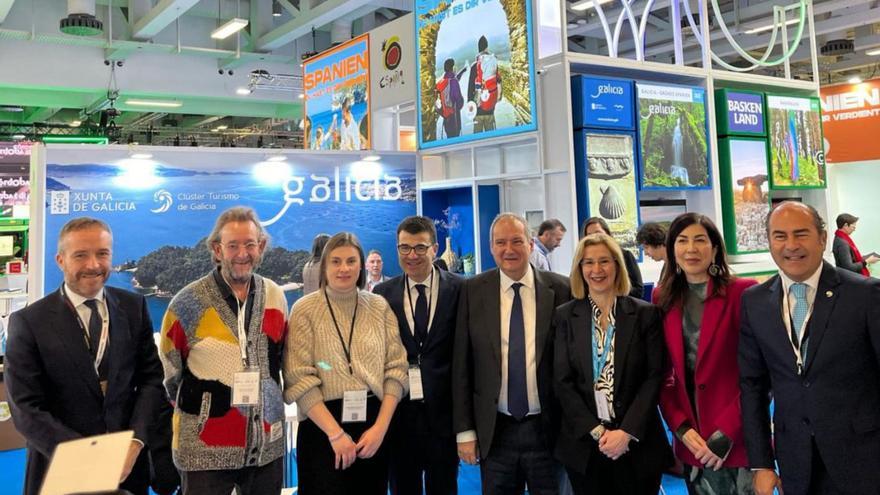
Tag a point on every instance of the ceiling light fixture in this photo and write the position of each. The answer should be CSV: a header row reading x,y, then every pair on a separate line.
x,y
854,80
75,123
276,8
231,27
768,27
276,158
243,91
141,156
18,137
154,103
12,108
371,158
588,4
222,127
873,52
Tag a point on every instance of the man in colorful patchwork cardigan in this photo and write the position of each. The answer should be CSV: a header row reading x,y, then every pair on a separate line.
x,y
227,327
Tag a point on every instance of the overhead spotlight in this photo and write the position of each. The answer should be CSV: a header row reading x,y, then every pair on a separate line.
x,y
301,96
75,123
12,108
854,80
18,137
222,127
231,27
276,8
243,91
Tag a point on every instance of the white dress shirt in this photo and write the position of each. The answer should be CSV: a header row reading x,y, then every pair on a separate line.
x,y
527,294
79,303
411,298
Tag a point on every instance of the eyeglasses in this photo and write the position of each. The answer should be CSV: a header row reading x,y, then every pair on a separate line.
x,y
603,263
234,247
420,249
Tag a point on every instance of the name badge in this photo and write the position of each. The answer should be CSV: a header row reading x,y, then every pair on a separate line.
x,y
415,383
602,406
246,388
275,431
354,406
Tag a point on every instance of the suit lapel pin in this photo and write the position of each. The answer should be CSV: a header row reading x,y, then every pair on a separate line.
x,y
828,293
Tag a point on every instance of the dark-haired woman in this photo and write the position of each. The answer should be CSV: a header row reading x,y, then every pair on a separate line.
x,y
345,368
598,225
608,365
700,395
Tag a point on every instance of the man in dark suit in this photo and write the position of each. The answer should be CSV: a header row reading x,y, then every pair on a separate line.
x,y
425,301
502,391
82,360
810,336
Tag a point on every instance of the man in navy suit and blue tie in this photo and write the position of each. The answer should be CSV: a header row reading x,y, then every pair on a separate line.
x,y
82,360
810,338
503,401
425,301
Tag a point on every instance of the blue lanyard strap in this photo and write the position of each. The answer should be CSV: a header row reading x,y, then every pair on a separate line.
x,y
599,361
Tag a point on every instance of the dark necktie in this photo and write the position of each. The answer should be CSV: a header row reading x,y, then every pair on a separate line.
x,y
517,391
95,326
420,317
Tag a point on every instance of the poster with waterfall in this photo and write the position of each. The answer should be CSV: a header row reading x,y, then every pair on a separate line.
x,y
672,128
745,193
476,70
797,154
611,180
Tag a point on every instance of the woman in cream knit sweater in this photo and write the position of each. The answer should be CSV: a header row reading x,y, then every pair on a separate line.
x,y
343,344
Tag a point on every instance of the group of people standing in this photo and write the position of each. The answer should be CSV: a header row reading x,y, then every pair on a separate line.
x,y
542,380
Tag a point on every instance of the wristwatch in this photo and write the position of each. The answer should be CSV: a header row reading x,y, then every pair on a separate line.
x,y
597,432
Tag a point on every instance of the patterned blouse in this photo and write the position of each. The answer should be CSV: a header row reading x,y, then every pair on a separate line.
x,y
605,383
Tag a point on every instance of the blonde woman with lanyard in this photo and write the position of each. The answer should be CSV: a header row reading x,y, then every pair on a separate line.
x,y
346,369
608,367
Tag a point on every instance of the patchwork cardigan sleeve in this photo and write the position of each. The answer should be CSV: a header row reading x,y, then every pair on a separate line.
x,y
173,350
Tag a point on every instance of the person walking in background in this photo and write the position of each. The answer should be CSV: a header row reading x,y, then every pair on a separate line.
x,y
504,411
312,269
699,399
598,225
608,367
450,99
425,301
846,254
221,348
345,368
550,235
810,339
82,361
651,236
374,269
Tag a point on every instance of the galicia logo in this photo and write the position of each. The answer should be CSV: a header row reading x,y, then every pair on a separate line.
x,y
608,89
164,197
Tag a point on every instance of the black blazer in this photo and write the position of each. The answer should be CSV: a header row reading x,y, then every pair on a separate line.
x,y
639,354
436,355
836,402
53,389
476,365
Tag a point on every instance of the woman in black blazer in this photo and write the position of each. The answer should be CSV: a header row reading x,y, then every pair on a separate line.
x,y
598,225
608,367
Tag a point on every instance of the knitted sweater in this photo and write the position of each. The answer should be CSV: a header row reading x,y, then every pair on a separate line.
x,y
315,366
200,353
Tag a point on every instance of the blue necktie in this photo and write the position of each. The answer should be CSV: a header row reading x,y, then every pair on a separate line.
x,y
799,314
517,391
420,316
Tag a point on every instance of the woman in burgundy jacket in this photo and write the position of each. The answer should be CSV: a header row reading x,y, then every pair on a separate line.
x,y
699,398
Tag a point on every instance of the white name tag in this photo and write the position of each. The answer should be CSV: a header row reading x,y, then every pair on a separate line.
x,y
246,388
415,383
276,430
602,406
354,406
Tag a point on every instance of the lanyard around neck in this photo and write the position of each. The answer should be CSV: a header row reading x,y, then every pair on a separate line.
x,y
105,334
346,350
599,361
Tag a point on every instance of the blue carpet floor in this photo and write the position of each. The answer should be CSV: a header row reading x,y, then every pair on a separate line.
x,y
12,477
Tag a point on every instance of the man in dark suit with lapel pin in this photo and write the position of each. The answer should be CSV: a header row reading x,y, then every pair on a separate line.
x,y
425,301
82,360
504,410
810,336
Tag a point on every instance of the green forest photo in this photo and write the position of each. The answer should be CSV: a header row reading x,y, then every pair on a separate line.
x,y
796,147
673,137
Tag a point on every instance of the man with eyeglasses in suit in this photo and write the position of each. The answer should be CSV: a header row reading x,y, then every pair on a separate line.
x,y
425,301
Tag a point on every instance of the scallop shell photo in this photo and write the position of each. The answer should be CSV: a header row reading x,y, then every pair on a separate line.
x,y
611,205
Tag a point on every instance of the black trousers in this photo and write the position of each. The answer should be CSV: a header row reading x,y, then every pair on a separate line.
x,y
607,477
419,458
256,480
519,455
316,460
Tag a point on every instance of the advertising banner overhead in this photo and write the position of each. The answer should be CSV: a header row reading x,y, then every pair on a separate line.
x,y
797,155
476,73
393,67
603,103
15,187
672,128
337,97
851,121
162,209
740,113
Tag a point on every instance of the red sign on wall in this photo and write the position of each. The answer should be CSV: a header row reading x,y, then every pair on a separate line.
x,y
851,121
